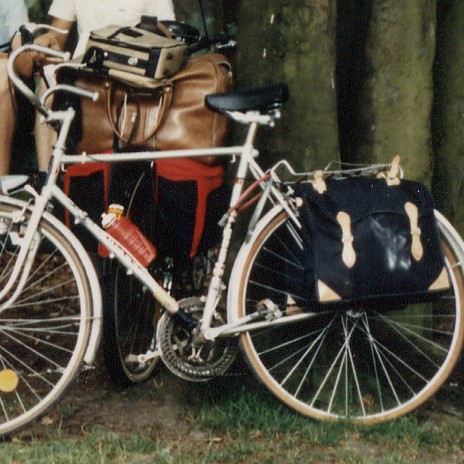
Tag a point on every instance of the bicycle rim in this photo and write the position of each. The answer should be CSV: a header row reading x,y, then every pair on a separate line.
x,y
45,332
365,365
129,329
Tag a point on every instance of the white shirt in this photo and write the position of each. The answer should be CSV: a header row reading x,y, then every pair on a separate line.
x,y
96,14
13,13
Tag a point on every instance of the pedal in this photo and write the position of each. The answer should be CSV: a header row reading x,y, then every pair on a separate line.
x,y
269,310
142,358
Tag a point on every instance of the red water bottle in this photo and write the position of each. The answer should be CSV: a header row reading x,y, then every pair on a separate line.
x,y
129,235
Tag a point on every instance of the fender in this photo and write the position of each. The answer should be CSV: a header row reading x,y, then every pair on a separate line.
x,y
238,267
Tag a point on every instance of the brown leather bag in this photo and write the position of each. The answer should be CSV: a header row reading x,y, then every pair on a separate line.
x,y
172,117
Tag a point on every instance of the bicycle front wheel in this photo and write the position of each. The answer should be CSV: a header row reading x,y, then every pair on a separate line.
x,y
363,365
45,331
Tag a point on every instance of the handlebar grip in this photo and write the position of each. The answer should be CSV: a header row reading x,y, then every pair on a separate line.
x,y
67,88
85,93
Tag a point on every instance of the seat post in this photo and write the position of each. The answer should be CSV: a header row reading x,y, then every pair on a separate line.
x,y
245,157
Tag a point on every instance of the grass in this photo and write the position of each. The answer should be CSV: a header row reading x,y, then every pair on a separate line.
x,y
244,411
97,448
235,423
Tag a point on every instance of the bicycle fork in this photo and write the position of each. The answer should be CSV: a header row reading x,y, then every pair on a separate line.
x,y
29,244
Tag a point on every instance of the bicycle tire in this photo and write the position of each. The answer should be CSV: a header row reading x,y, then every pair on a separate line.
x,y
364,366
131,313
44,334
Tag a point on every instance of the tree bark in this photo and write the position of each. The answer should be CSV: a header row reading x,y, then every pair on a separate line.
x,y
293,42
449,112
397,94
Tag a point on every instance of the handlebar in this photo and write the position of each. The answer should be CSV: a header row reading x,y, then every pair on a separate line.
x,y
17,81
39,102
28,31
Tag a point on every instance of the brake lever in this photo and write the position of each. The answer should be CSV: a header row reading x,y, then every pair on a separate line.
x,y
219,43
230,45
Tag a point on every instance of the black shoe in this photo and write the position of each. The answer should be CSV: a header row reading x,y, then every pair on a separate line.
x,y
186,320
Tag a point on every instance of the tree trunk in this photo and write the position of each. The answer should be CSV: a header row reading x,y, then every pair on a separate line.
x,y
189,11
449,112
397,94
293,42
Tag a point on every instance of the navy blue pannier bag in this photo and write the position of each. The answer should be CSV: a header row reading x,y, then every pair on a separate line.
x,y
368,239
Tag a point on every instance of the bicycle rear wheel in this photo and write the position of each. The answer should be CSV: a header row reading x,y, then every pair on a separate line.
x,y
44,333
364,365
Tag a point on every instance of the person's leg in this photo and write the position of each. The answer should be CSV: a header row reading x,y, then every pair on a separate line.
x,y
7,117
44,137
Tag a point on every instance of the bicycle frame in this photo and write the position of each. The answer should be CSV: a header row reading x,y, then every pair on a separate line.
x,y
245,155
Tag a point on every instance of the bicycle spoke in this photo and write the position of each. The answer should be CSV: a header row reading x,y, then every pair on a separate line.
x,y
45,331
365,364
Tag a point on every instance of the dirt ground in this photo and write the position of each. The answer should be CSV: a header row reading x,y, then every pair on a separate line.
x,y
158,406
163,407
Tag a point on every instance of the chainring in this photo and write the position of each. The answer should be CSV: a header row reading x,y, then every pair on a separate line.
x,y
188,358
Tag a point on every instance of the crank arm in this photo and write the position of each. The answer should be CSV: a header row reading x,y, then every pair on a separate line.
x,y
143,358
